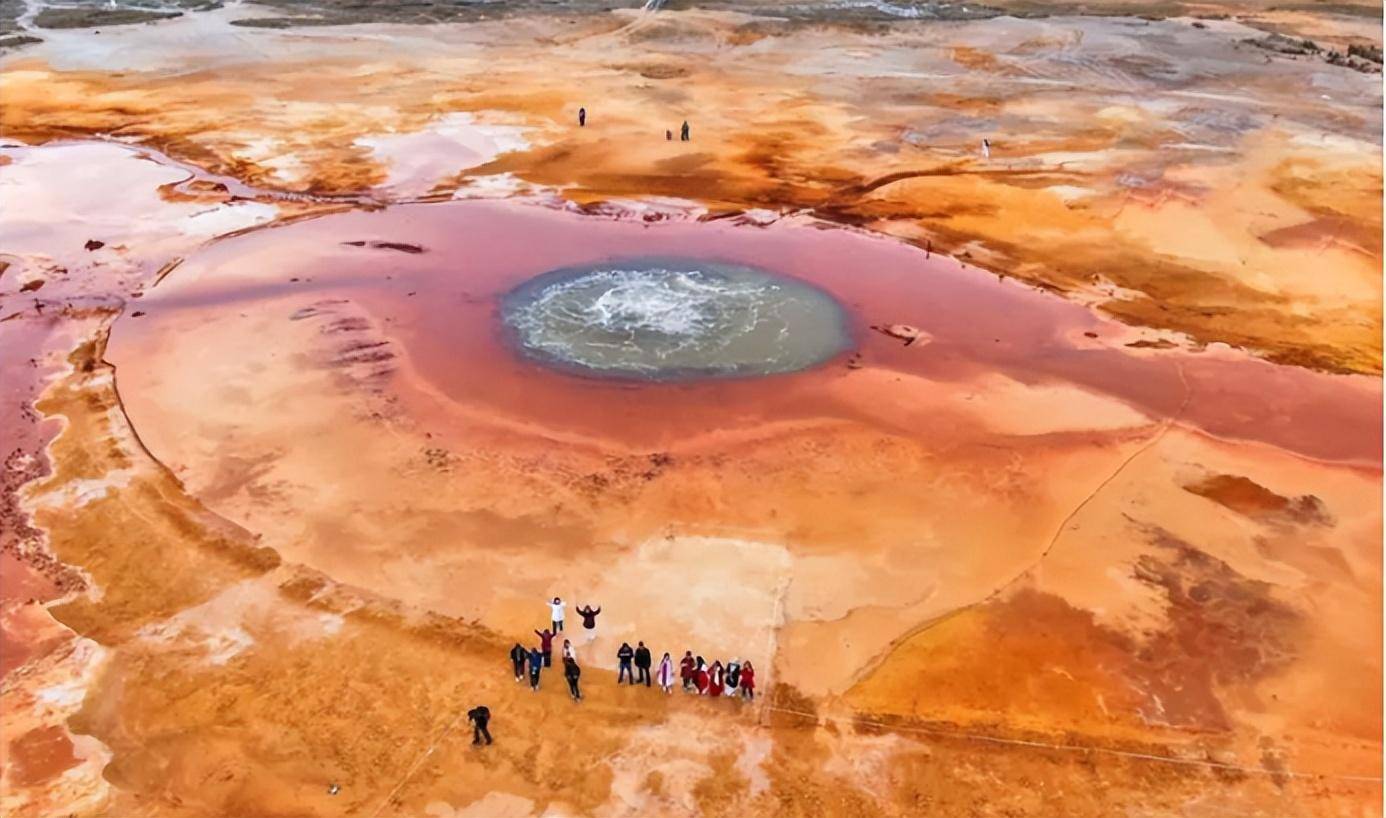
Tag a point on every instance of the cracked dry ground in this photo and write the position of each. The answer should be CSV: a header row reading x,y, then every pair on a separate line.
x,y
278,497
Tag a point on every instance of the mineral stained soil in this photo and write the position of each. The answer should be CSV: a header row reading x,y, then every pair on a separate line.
x,y
1064,498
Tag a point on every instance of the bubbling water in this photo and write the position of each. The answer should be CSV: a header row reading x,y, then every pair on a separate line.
x,y
674,319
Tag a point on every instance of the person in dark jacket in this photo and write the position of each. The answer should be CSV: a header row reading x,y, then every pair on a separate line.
x,y
518,657
479,716
546,645
589,620
687,666
571,672
582,117
624,656
536,663
642,663
683,132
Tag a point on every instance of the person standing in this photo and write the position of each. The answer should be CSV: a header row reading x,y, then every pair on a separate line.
x,y
687,667
986,148
556,614
518,657
733,676
665,674
479,716
716,679
624,657
589,620
683,132
572,672
546,645
748,681
700,677
536,663
642,663
668,136
582,117
569,652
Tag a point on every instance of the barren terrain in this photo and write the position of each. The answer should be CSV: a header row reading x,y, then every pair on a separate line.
x,y
280,492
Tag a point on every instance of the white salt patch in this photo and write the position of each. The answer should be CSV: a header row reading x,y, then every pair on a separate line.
x,y
496,185
271,154
419,160
79,493
728,592
223,625
331,623
228,218
1010,407
752,759
225,646
65,694
761,216
492,805
864,760
1069,193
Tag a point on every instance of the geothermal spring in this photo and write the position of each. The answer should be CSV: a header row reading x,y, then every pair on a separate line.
x,y
1002,382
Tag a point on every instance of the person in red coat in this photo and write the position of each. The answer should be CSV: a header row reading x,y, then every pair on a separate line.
x,y
687,666
716,681
700,677
546,645
748,681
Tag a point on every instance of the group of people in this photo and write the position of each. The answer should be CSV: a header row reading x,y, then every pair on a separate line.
x,y
535,659
684,135
633,663
734,679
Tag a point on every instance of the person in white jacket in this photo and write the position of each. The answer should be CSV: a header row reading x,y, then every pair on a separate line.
x,y
556,611
665,674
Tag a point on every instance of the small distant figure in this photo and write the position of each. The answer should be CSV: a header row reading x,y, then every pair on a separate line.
x,y
536,664
518,657
986,149
572,672
701,678
665,674
668,135
556,614
747,682
582,117
569,652
716,679
589,620
733,676
479,716
683,132
687,667
624,657
546,645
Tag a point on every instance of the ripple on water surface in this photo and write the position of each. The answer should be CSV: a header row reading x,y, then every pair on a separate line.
x,y
674,319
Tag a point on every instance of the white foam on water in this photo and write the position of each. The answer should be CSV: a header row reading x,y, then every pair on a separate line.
x,y
670,318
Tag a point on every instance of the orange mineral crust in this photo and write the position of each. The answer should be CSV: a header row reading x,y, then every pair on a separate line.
x,y
1034,476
